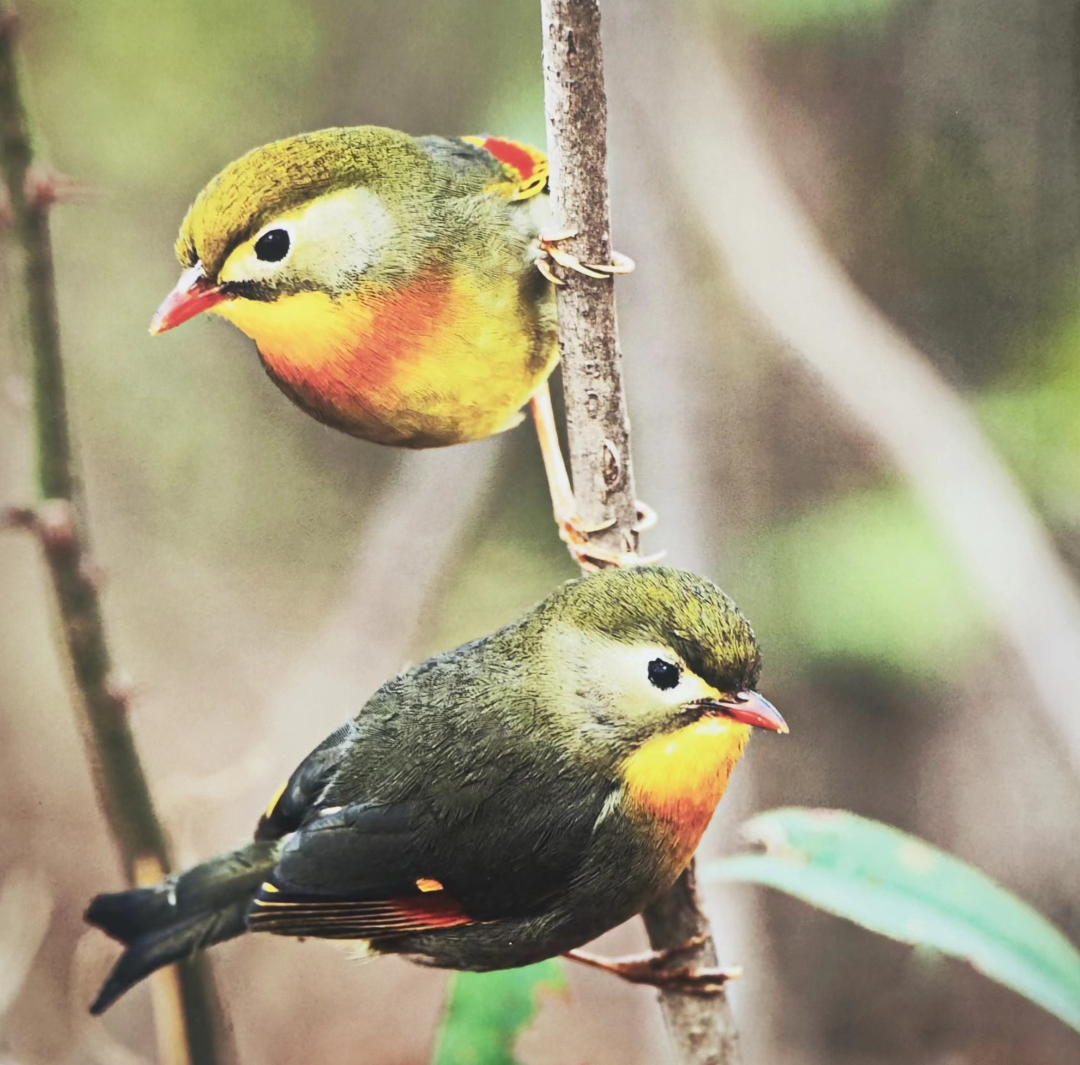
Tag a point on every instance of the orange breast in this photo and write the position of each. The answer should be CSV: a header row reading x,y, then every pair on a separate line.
x,y
441,360
677,779
312,340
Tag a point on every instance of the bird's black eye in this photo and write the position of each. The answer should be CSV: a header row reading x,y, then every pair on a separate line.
x,y
663,674
272,246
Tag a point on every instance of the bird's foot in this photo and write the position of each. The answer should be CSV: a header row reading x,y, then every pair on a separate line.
x,y
649,968
592,556
573,530
550,252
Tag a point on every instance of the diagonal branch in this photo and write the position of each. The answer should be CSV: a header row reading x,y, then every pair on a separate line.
x,y
184,1001
383,607
702,1027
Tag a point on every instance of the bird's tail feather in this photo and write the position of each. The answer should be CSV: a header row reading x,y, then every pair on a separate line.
x,y
188,912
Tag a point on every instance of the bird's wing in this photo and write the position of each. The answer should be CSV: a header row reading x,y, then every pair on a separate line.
x,y
299,796
492,813
526,168
355,873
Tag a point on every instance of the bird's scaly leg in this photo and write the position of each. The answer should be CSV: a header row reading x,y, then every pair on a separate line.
x,y
574,533
648,968
550,252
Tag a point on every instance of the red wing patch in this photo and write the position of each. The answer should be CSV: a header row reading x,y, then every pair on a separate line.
x,y
526,167
330,917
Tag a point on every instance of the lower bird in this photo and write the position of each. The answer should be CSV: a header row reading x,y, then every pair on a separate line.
x,y
496,805
397,288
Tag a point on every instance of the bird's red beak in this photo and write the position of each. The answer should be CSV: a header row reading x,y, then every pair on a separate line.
x,y
752,709
193,294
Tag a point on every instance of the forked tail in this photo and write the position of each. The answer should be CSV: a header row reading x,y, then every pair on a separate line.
x,y
188,912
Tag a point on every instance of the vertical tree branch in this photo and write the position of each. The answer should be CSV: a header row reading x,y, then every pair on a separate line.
x,y
702,1027
188,1009
597,422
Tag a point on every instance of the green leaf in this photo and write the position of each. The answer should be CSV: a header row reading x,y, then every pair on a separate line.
x,y
903,888
487,1012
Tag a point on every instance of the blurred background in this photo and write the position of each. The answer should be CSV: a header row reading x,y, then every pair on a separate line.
x,y
263,574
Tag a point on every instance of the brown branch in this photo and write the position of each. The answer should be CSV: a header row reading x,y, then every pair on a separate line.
x,y
119,780
597,422
702,1027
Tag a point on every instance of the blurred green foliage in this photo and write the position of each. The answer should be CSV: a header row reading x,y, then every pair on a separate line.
x,y
903,888
177,73
486,1013
783,18
1034,414
949,214
947,222
865,576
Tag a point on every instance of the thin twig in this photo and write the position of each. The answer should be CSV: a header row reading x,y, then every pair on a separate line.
x,y
694,117
702,1027
121,785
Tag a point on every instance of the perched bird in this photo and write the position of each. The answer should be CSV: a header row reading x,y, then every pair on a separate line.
x,y
498,804
390,283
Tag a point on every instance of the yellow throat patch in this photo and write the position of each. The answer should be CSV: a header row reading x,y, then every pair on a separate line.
x,y
444,359
680,777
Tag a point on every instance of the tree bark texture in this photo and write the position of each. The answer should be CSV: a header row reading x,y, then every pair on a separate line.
x,y
597,422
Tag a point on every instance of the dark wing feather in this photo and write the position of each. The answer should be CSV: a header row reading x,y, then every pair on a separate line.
x,y
466,795
300,794
292,913
355,873
513,170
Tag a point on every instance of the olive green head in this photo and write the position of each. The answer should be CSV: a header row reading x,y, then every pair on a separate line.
x,y
276,179
658,604
638,651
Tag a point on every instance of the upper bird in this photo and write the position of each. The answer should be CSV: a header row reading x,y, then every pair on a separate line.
x,y
388,281
498,804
